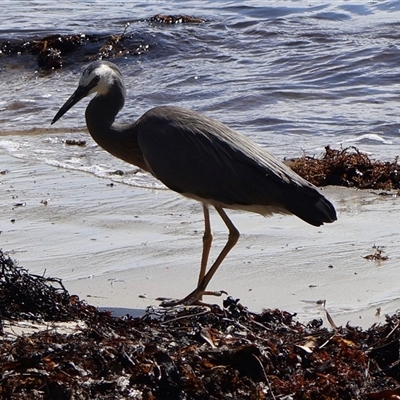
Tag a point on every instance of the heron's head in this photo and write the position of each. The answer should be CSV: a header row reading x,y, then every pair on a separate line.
x,y
98,77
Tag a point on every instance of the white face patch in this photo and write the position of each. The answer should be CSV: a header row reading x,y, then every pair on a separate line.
x,y
104,72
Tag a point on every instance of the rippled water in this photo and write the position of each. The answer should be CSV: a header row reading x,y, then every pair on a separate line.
x,y
294,76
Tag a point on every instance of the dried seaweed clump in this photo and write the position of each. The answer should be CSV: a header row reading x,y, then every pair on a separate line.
x,y
378,255
34,297
347,167
195,353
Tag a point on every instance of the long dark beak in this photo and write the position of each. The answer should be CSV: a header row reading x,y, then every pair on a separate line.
x,y
77,96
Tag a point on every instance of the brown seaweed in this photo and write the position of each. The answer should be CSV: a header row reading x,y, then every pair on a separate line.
x,y
54,51
347,167
186,352
175,19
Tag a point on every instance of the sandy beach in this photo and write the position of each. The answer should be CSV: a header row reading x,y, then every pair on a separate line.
x,y
121,247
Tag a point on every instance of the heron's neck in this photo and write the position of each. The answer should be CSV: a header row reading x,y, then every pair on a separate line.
x,y
120,141
101,113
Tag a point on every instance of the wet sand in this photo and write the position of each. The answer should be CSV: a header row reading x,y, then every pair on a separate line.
x,y
120,247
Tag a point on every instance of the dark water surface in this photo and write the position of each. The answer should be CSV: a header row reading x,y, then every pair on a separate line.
x,y
294,76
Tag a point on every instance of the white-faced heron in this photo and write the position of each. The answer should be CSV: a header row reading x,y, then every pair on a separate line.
x,y
199,158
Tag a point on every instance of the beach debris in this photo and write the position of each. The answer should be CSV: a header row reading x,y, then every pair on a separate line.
x,y
33,297
347,167
184,352
49,57
175,19
21,204
50,49
118,172
390,394
113,47
74,142
378,255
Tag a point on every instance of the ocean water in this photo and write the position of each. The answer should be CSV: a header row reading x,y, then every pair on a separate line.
x,y
294,76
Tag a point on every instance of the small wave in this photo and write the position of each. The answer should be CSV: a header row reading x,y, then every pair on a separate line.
x,y
52,151
9,146
369,138
135,177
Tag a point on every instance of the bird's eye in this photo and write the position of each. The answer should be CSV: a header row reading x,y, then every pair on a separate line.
x,y
95,80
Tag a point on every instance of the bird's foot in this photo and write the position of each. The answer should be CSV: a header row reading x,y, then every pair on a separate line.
x,y
193,299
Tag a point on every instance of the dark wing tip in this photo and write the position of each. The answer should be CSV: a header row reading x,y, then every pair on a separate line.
x,y
323,212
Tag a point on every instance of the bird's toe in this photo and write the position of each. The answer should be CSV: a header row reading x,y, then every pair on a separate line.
x,y
217,293
193,299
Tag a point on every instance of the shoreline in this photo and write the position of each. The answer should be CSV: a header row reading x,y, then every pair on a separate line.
x,y
119,247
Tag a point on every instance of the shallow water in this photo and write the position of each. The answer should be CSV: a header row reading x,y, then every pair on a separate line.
x,y
292,75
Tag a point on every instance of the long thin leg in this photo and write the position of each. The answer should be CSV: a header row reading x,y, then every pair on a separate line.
x,y
207,240
196,295
232,240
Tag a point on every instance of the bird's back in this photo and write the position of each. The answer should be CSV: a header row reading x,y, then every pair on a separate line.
x,y
204,159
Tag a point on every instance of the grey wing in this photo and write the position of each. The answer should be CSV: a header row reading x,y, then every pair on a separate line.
x,y
192,154
195,161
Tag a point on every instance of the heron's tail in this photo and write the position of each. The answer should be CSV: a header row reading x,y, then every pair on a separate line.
x,y
316,209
